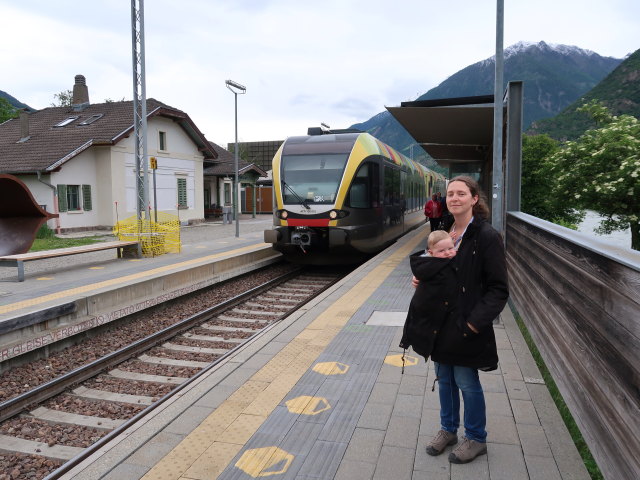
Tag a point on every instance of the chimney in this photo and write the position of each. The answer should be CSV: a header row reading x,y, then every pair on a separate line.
x,y
24,126
80,99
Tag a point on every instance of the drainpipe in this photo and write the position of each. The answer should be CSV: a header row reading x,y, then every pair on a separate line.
x,y
55,200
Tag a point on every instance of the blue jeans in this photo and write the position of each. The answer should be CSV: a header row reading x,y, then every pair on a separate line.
x,y
451,380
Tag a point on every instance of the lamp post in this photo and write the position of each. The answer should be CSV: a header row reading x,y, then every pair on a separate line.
x,y
236,89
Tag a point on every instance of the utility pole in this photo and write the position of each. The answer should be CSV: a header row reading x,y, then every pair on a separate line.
x,y
497,194
139,110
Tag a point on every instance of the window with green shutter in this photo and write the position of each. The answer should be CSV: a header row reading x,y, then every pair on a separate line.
x,y
86,198
62,198
182,193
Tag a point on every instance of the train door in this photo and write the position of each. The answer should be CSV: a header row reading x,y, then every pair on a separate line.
x,y
391,202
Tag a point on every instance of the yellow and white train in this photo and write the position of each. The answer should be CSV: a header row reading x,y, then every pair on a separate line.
x,y
340,197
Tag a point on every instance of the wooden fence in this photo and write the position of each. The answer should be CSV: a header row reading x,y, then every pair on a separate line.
x,y
580,299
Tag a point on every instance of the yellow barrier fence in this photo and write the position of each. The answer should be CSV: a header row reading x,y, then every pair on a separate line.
x,y
157,235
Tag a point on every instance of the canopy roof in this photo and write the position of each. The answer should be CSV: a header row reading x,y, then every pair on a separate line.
x,y
451,129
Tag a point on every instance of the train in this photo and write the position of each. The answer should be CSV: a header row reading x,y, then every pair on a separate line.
x,y
342,196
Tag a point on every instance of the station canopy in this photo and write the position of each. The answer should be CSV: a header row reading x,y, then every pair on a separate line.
x,y
451,130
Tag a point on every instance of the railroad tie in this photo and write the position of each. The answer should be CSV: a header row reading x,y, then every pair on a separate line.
x,y
227,318
207,338
172,361
222,328
255,312
31,447
186,348
145,377
94,394
57,417
273,305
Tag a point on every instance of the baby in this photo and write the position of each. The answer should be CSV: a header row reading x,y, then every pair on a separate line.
x,y
435,297
440,245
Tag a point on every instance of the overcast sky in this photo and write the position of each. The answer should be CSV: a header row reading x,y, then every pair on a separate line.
x,y
334,61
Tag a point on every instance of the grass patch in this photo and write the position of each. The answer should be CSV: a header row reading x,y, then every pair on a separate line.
x,y
574,431
52,243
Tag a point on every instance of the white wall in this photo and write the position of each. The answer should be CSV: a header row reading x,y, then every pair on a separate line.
x,y
181,159
80,170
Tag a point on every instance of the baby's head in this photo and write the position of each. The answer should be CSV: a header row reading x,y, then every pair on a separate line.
x,y
440,245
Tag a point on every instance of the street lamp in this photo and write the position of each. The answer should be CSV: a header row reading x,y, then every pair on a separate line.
x,y
236,89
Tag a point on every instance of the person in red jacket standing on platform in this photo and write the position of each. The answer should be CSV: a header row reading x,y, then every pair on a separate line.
x,y
433,211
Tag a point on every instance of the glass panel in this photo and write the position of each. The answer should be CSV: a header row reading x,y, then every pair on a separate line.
x,y
73,197
359,190
312,178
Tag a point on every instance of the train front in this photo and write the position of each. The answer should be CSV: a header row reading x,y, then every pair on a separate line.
x,y
310,226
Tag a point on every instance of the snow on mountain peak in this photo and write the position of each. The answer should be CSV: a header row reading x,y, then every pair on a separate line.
x,y
523,46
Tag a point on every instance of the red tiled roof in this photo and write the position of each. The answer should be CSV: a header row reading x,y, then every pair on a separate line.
x,y
48,147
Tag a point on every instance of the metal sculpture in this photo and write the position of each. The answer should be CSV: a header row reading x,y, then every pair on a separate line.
x,y
20,216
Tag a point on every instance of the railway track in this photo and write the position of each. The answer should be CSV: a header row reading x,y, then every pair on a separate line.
x,y
72,415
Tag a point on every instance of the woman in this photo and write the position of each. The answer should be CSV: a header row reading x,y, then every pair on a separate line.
x,y
466,342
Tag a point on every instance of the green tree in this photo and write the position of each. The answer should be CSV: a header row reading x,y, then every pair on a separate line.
x,y
600,171
7,110
537,186
63,99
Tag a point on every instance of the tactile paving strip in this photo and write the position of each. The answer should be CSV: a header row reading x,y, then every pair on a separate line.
x,y
199,455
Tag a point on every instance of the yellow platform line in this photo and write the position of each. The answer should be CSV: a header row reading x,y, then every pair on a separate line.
x,y
11,307
207,451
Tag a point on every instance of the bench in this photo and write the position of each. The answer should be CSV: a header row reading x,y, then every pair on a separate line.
x,y
19,259
214,212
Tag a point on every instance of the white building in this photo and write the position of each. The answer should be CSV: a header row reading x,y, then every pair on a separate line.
x,y
79,161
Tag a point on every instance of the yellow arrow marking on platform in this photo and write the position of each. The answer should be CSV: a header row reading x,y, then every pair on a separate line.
x,y
396,360
331,368
264,462
306,405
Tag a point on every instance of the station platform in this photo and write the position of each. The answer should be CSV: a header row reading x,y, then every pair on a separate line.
x,y
323,395
65,296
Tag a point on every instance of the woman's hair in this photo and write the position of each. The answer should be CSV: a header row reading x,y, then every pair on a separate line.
x,y
480,209
435,237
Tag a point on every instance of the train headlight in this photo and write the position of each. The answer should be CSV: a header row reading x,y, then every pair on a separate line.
x,y
334,214
283,214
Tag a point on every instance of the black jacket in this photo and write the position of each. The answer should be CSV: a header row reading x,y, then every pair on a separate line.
x,y
483,291
431,304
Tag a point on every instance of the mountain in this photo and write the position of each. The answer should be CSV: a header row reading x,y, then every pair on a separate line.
x,y
554,76
619,91
13,101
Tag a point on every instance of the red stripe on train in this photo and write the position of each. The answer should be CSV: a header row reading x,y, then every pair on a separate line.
x,y
310,222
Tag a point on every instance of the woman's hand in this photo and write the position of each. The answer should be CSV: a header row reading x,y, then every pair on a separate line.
x,y
414,282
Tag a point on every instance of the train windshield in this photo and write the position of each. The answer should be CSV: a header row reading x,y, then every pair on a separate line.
x,y
312,178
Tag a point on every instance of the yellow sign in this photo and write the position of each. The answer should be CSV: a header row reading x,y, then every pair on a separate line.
x,y
264,462
153,161
396,360
331,368
306,405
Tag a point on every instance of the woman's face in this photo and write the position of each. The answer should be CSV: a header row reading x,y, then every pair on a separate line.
x,y
459,198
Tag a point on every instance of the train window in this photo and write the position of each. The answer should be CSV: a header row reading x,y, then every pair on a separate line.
x,y
363,192
312,178
391,185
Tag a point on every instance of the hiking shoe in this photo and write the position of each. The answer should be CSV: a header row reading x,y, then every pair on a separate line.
x,y
441,441
467,451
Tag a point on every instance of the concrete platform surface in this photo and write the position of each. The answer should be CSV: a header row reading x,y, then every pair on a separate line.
x,y
322,395
43,277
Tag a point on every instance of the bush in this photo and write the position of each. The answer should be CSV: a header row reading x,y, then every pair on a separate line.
x,y
45,232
